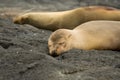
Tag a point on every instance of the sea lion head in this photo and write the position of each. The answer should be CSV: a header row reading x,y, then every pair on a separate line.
x,y
58,42
21,19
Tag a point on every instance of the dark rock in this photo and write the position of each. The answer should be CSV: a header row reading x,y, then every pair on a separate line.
x,y
24,51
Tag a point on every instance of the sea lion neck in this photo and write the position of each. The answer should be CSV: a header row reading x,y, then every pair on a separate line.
x,y
43,20
77,40
80,15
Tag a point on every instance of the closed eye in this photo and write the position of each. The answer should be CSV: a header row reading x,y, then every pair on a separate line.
x,y
49,45
61,43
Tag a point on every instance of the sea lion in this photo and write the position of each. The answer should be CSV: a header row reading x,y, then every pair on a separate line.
x,y
68,19
97,35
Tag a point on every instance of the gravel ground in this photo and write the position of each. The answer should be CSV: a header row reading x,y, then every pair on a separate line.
x,y
24,51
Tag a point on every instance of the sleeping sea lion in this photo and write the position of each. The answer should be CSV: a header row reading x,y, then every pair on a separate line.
x,y
93,35
67,19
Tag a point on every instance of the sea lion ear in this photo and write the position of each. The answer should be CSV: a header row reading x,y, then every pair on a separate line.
x,y
69,36
24,19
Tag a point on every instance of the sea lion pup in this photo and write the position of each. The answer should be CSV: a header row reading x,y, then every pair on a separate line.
x,y
67,19
98,35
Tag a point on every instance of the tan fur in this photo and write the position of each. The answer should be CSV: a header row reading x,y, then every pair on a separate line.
x,y
68,19
99,35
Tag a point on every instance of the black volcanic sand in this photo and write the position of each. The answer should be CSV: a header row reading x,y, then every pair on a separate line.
x,y
24,56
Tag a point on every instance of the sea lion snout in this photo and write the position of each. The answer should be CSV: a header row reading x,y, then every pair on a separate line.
x,y
53,53
21,19
15,21
18,20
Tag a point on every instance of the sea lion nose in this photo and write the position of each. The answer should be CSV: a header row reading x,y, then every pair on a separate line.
x,y
16,21
54,54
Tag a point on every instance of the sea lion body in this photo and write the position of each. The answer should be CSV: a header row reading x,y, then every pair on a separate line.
x,y
98,35
68,19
